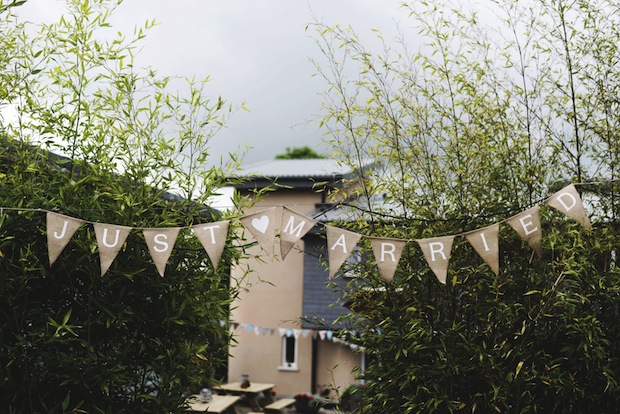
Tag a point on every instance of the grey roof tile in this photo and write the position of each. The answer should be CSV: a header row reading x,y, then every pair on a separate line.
x,y
311,168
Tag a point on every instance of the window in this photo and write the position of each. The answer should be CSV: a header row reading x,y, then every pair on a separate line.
x,y
289,353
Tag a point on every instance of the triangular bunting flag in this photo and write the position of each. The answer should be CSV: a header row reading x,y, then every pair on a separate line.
x,y
387,253
527,225
486,243
294,227
282,331
110,239
212,236
160,243
568,201
340,245
262,225
437,254
60,229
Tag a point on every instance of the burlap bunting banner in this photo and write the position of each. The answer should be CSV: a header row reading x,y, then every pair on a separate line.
x,y
294,227
340,245
110,239
160,243
486,243
60,229
387,253
527,225
213,237
262,225
437,254
568,201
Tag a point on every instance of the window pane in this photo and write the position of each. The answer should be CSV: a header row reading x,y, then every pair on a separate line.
x,y
289,352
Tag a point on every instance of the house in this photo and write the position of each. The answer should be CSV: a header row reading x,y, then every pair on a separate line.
x,y
271,343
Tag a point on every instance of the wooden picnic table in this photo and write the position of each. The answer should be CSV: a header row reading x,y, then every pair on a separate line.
x,y
251,392
218,404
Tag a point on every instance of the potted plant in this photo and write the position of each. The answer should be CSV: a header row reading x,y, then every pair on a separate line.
x,y
304,404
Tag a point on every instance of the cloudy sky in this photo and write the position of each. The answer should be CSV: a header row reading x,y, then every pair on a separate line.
x,y
256,51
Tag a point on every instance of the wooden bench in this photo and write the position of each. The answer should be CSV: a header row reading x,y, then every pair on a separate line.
x,y
218,404
278,405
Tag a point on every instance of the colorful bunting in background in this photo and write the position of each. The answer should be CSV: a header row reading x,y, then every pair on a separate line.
x,y
293,226
297,333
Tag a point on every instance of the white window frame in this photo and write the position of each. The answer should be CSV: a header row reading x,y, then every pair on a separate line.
x,y
288,341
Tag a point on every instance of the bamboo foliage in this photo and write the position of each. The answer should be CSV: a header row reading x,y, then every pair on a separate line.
x,y
478,114
133,150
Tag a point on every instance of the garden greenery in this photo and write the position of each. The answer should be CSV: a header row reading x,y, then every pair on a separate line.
x,y
488,109
95,137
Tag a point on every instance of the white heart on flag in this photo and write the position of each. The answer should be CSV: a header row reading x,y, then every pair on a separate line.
x,y
261,224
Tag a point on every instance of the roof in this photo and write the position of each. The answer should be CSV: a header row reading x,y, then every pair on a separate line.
x,y
302,173
316,167
65,163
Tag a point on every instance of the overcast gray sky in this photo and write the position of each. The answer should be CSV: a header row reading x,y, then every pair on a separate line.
x,y
256,51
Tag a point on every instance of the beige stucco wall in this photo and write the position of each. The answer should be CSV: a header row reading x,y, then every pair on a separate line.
x,y
272,297
337,365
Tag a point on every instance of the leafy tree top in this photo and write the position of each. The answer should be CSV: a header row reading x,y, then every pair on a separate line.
x,y
299,153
